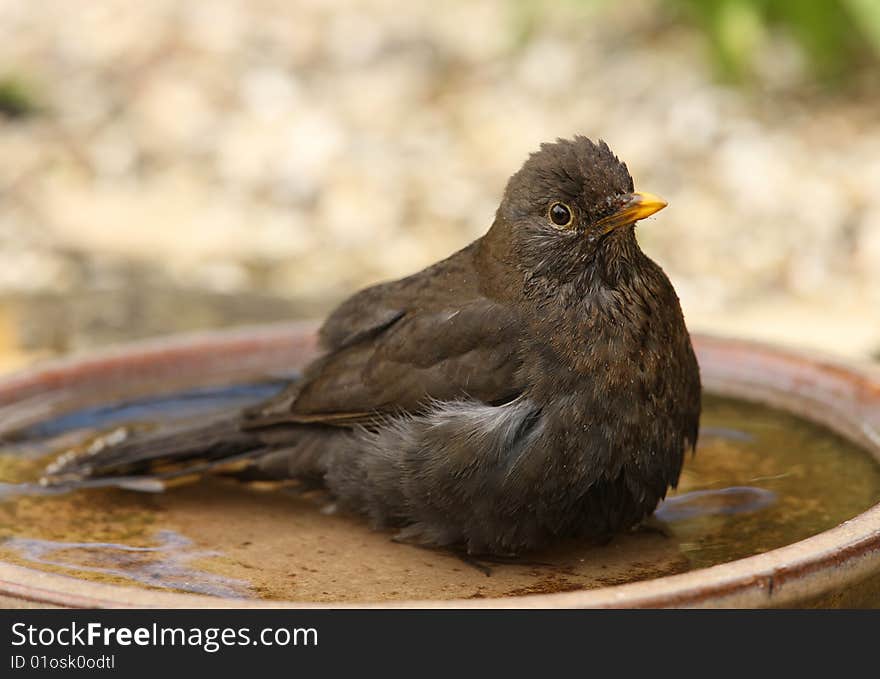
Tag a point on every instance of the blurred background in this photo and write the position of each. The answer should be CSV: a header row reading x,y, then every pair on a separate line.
x,y
181,164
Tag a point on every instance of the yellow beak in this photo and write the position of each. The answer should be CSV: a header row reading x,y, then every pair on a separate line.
x,y
635,207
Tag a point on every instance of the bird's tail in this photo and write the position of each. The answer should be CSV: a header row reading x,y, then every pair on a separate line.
x,y
127,458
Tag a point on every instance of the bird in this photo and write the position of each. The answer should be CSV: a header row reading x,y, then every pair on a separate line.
x,y
537,385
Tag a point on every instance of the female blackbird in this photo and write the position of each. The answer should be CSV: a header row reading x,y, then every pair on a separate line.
x,y
538,384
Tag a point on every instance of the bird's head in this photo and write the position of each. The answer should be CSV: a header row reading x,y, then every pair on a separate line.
x,y
570,211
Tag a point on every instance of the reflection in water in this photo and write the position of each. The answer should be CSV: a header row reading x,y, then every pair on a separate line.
x,y
13,490
26,489
724,501
728,433
191,403
166,565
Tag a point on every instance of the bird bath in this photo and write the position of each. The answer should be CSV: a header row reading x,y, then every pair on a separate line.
x,y
779,507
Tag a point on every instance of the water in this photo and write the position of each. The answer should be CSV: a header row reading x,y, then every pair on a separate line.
x,y
166,564
760,479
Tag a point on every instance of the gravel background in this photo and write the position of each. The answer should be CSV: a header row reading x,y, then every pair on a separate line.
x,y
199,164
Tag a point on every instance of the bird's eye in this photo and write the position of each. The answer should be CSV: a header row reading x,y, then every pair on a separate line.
x,y
560,215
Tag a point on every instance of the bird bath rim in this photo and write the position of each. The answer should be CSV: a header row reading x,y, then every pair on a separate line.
x,y
841,396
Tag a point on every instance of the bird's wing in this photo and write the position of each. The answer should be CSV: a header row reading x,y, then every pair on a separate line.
x,y
398,346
